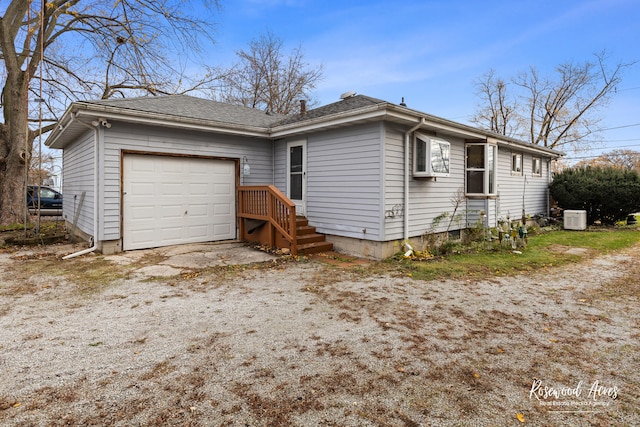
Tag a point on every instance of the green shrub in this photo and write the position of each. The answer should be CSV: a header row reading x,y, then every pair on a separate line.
x,y
607,194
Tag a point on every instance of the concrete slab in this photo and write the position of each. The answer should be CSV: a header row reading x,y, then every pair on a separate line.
x,y
125,258
577,251
159,271
181,258
202,256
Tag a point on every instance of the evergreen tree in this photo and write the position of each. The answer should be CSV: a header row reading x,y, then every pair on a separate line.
x,y
608,194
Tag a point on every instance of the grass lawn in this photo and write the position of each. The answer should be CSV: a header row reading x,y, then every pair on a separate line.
x,y
542,251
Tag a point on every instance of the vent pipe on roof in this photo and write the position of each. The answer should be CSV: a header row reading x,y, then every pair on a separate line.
x,y
348,95
303,107
402,104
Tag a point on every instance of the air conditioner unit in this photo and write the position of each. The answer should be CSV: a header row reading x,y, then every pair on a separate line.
x,y
575,220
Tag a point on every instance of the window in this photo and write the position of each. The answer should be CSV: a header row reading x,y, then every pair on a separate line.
x,y
537,167
491,166
516,164
481,168
295,172
430,156
47,193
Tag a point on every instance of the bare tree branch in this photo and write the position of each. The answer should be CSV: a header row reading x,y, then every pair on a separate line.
x,y
266,78
79,49
557,111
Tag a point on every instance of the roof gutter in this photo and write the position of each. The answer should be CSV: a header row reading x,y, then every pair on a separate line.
x,y
59,130
407,172
96,199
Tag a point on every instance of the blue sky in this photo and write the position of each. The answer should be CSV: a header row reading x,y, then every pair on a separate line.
x,y
430,52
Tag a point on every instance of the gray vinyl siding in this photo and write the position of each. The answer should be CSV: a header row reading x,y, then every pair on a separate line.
x,y
355,178
492,212
280,165
432,198
167,141
78,163
428,198
474,207
393,212
344,173
344,189
512,187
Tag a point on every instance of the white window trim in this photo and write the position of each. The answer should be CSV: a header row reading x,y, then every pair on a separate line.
x,y
485,169
514,156
429,172
533,166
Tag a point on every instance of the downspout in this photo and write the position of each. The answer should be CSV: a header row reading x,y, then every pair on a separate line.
x,y
95,192
549,180
407,169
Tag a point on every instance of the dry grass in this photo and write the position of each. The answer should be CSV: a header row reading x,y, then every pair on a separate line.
x,y
308,344
46,271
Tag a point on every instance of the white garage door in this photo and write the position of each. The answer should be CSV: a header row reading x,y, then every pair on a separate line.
x,y
175,200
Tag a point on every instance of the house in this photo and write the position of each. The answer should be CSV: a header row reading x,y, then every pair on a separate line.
x,y
367,174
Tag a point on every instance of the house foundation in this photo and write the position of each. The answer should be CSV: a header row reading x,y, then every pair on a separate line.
x,y
364,248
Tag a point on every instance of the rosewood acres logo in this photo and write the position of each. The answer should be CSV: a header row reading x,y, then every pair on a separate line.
x,y
580,398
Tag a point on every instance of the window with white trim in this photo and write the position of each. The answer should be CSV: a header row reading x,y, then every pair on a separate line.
x,y
431,156
480,167
536,167
516,164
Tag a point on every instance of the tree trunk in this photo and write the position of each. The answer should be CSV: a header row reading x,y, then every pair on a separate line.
x,y
16,151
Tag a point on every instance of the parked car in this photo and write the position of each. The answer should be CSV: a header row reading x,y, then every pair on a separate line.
x,y
50,200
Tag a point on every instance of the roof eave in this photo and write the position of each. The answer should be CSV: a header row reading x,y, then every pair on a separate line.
x,y
87,112
473,132
398,113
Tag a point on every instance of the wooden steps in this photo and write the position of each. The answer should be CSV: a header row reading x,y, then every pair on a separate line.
x,y
307,240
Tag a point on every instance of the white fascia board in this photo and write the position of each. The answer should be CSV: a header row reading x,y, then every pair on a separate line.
x,y
386,112
542,152
451,129
526,147
436,123
57,131
466,131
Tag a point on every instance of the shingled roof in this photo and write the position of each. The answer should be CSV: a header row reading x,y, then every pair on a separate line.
x,y
185,106
344,105
204,114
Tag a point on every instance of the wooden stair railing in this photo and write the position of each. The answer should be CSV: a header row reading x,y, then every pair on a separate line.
x,y
265,204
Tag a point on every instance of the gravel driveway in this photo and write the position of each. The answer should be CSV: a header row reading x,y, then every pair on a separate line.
x,y
100,341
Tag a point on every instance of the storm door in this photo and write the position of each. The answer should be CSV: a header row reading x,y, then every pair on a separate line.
x,y
297,175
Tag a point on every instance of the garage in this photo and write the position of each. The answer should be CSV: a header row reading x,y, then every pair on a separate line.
x,y
169,200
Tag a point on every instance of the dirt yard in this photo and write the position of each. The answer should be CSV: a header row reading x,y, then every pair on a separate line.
x,y
96,341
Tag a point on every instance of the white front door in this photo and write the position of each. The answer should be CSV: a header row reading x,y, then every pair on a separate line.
x,y
297,175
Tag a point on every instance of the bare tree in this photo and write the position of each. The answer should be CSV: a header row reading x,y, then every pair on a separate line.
x,y
554,111
497,111
619,158
57,51
267,78
41,166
